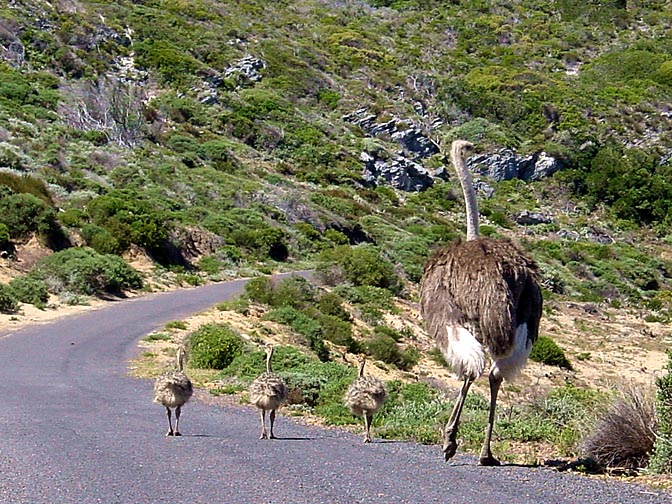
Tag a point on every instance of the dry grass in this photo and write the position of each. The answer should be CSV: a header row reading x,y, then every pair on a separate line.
x,y
624,437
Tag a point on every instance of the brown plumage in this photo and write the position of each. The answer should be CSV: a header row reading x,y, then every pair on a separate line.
x,y
364,398
268,392
173,389
480,297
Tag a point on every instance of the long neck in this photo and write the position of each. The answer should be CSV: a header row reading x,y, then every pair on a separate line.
x,y
269,354
361,368
467,188
180,358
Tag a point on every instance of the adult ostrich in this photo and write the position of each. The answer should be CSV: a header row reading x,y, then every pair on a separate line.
x,y
480,297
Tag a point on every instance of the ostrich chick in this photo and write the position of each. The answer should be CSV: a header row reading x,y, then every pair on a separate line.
x,y
268,392
173,389
365,397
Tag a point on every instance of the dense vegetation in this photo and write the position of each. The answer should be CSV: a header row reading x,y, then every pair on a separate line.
x,y
134,124
138,125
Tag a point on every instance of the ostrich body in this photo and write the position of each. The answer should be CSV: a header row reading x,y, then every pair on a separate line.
x,y
268,392
173,389
478,298
364,398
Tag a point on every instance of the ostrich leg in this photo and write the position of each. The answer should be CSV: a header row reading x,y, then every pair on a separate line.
x,y
272,416
367,423
178,411
262,415
450,431
170,422
486,458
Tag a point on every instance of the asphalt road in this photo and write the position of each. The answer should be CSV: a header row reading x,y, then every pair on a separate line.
x,y
75,428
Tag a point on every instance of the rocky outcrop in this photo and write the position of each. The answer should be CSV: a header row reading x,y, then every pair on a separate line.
x,y
402,170
416,144
505,164
247,68
399,172
527,218
187,244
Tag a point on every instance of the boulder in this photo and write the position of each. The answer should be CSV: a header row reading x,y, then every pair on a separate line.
x,y
398,172
505,164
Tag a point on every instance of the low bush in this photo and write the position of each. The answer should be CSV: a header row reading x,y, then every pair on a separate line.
x,y
5,238
331,303
546,351
260,290
24,214
305,325
624,436
30,290
214,346
26,184
85,271
8,303
101,240
361,265
338,332
384,348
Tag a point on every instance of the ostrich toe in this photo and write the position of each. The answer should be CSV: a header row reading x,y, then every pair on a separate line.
x,y
488,461
449,449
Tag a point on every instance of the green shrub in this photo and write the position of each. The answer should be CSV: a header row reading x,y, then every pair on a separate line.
x,y
371,301
294,291
176,324
30,290
101,240
8,303
412,411
260,290
85,271
338,332
5,239
26,184
303,324
661,459
214,346
546,351
130,219
362,265
24,214
384,348
331,303
383,330
303,388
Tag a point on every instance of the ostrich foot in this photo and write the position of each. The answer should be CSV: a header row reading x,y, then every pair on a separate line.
x,y
367,440
263,436
177,433
449,449
169,433
488,461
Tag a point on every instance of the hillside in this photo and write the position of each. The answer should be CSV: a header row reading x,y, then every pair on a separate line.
x,y
149,145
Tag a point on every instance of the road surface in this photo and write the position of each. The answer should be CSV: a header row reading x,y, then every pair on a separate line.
x,y
75,428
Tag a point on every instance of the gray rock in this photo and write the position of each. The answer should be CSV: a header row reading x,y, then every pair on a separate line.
x,y
527,218
414,141
248,67
505,164
399,172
